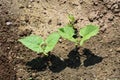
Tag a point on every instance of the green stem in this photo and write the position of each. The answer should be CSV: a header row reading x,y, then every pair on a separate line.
x,y
46,54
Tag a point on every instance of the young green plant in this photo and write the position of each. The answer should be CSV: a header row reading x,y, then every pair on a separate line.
x,y
71,19
85,33
37,44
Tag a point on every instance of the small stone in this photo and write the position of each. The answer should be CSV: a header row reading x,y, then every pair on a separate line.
x,y
101,23
103,29
9,23
92,16
101,15
32,0
59,23
50,22
95,3
33,74
29,6
81,1
60,40
108,6
61,59
118,49
111,50
8,48
21,6
66,48
104,12
19,79
110,17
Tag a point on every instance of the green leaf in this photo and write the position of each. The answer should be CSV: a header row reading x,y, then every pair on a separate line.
x,y
71,18
51,41
33,42
87,32
67,33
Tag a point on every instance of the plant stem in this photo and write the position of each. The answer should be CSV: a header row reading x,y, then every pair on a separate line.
x,y
46,54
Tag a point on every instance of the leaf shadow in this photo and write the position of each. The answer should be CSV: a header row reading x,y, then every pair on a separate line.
x,y
38,64
52,62
56,64
92,59
73,60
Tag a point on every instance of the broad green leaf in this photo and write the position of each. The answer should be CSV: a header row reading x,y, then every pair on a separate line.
x,y
51,41
71,18
87,32
33,42
67,33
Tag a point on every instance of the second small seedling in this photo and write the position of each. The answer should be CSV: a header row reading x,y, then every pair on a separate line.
x,y
85,33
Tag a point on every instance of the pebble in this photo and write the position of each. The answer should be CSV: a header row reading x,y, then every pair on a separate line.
x,y
29,6
61,59
59,23
101,23
92,16
81,1
21,6
111,50
34,74
110,17
104,12
9,23
95,3
103,29
101,15
60,40
32,0
118,49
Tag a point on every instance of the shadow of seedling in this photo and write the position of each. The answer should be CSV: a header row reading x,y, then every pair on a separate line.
x,y
91,58
39,63
73,60
56,65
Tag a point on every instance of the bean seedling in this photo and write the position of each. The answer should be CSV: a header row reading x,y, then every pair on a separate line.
x,y
85,33
37,44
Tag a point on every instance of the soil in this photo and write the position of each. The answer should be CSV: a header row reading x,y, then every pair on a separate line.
x,y
7,70
98,59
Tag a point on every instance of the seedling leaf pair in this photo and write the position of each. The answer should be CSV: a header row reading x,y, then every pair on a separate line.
x,y
36,43
86,33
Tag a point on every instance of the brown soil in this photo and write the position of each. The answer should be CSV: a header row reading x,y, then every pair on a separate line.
x,y
7,70
98,59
